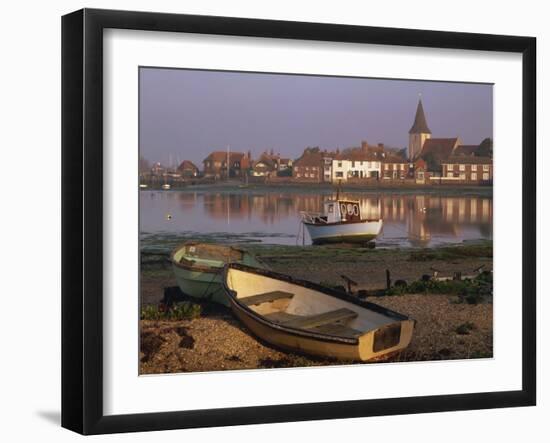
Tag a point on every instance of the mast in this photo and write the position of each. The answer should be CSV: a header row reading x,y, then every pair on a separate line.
x,y
227,162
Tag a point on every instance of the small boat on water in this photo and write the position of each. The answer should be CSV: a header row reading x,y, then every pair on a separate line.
x,y
166,186
340,221
305,317
198,268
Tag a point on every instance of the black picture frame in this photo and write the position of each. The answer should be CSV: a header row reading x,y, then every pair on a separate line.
x,y
82,218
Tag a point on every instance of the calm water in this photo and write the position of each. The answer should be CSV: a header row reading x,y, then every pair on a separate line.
x,y
273,216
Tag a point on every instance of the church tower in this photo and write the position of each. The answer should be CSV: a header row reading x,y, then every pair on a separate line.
x,y
418,133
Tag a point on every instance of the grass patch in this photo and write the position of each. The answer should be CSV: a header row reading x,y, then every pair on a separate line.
x,y
178,311
483,250
471,291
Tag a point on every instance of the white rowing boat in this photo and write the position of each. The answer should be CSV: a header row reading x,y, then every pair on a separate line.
x,y
305,317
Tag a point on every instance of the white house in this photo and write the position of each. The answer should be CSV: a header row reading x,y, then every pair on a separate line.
x,y
356,165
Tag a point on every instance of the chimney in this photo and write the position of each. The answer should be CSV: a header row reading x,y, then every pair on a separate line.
x,y
364,146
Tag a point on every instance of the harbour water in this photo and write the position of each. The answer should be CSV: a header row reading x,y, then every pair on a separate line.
x,y
272,216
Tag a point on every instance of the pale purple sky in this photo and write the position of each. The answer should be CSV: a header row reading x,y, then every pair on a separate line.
x,y
186,114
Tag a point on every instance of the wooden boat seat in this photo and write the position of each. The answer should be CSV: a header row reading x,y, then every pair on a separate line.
x,y
338,329
312,321
265,297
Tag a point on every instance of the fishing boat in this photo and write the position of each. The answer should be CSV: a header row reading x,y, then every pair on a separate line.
x,y
198,268
340,221
305,317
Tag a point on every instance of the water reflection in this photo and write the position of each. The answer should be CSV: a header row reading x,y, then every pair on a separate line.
x,y
409,219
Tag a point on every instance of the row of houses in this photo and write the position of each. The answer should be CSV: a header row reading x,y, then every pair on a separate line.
x,y
227,164
427,160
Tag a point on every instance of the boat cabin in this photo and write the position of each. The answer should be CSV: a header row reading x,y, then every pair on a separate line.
x,y
341,211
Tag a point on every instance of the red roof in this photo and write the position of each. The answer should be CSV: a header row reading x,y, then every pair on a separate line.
x,y
440,148
221,156
393,158
187,164
465,150
310,159
468,160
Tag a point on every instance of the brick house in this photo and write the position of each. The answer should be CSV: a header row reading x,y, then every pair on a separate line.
x,y
187,169
215,165
396,167
309,167
468,168
270,164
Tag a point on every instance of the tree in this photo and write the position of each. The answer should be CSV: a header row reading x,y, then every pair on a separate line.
x,y
403,153
144,165
485,148
431,162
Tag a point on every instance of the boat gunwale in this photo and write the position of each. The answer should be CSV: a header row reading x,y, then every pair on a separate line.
x,y
366,220
309,285
197,267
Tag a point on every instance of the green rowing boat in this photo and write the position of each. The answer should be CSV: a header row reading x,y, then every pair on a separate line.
x,y
198,268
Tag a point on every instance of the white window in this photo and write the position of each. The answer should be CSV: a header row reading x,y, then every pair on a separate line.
x,y
307,168
474,168
485,167
298,175
485,176
449,174
339,174
402,166
339,164
386,167
462,176
462,167
473,176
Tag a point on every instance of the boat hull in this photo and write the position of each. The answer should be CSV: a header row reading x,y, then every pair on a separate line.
x,y
392,333
201,278
200,284
360,232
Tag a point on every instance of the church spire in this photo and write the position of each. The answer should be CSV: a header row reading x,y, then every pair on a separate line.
x,y
420,126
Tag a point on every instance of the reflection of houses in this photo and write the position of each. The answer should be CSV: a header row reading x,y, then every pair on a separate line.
x,y
421,218
187,169
216,164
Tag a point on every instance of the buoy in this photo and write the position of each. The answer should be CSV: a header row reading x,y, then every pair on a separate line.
x,y
168,217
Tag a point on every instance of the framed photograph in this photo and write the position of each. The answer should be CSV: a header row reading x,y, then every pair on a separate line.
x,y
269,221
